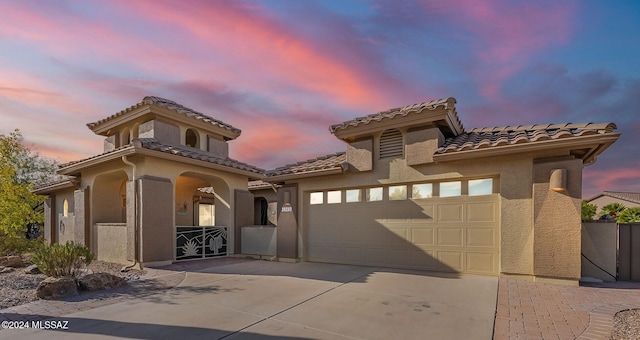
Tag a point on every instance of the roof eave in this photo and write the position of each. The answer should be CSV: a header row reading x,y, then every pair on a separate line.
x,y
599,143
315,173
46,189
76,167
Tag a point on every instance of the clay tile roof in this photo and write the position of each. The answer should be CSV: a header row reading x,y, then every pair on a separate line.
x,y
499,136
627,196
173,106
329,162
401,111
153,144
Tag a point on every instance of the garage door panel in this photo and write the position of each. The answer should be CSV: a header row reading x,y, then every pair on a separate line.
x,y
450,260
481,212
481,262
424,259
450,236
423,213
449,213
481,237
423,236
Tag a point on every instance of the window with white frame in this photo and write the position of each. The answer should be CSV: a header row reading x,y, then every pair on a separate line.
x,y
450,189
374,194
397,192
316,197
424,190
478,187
353,195
334,196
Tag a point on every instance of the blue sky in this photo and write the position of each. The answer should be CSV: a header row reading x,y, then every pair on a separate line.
x,y
283,71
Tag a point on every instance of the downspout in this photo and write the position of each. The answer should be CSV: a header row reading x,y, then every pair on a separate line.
x,y
135,214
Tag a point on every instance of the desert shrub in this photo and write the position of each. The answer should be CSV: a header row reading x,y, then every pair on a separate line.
x,y
59,260
630,215
17,245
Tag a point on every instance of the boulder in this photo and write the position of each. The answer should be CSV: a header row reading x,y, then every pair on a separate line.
x,y
11,261
99,281
5,270
53,288
32,269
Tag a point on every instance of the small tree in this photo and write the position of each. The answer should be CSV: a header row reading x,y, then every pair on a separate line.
x,y
588,211
612,209
20,170
630,215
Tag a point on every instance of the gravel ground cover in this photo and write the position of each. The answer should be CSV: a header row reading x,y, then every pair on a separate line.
x,y
626,325
17,288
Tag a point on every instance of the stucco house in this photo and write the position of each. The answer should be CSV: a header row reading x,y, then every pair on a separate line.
x,y
414,189
628,199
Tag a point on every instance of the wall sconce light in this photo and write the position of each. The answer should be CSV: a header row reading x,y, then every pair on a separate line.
x,y
558,180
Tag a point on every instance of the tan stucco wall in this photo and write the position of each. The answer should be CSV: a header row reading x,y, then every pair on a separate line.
x,y
557,221
111,242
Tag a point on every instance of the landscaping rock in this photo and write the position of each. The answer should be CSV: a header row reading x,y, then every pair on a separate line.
x,y
32,269
57,287
99,281
11,261
5,270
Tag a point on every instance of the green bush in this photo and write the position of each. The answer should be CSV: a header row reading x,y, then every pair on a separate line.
x,y
17,245
59,260
588,211
630,215
612,209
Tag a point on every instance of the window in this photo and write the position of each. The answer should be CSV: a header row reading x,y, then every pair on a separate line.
x,y
479,187
422,191
397,192
316,198
191,138
334,196
65,208
206,214
374,194
391,144
354,195
450,189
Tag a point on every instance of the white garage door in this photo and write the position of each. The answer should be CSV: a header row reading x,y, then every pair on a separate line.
x,y
457,234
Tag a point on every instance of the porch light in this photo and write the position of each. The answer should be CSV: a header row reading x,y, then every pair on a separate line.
x,y
558,180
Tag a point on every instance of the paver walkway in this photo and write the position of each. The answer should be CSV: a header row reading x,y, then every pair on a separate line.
x,y
533,310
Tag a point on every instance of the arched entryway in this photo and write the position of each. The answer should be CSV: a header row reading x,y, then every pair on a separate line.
x,y
203,216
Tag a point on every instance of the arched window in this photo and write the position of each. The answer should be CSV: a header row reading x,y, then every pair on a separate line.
x,y
391,144
65,208
191,138
126,137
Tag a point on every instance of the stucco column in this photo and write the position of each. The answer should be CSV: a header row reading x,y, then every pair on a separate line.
x,y
155,218
82,228
557,224
287,246
50,219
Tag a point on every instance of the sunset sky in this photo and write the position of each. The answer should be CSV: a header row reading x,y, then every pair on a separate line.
x,y
283,71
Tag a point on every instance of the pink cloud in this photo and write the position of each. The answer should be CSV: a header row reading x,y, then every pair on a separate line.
x,y
618,179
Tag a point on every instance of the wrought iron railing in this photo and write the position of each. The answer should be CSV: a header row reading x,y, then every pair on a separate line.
x,y
200,242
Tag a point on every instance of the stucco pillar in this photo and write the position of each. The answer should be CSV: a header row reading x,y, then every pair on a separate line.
x,y
557,224
287,245
131,219
156,220
243,211
81,223
50,219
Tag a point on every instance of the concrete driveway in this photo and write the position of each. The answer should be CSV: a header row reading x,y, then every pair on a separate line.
x,y
272,300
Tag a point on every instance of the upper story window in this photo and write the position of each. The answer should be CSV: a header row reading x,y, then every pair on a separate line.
x,y
391,144
191,138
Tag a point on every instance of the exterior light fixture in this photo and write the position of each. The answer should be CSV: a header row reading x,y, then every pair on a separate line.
x,y
558,180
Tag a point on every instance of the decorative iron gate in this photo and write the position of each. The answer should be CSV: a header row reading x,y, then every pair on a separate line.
x,y
200,242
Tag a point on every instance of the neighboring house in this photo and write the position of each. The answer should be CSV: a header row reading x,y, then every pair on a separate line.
x,y
628,199
414,189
